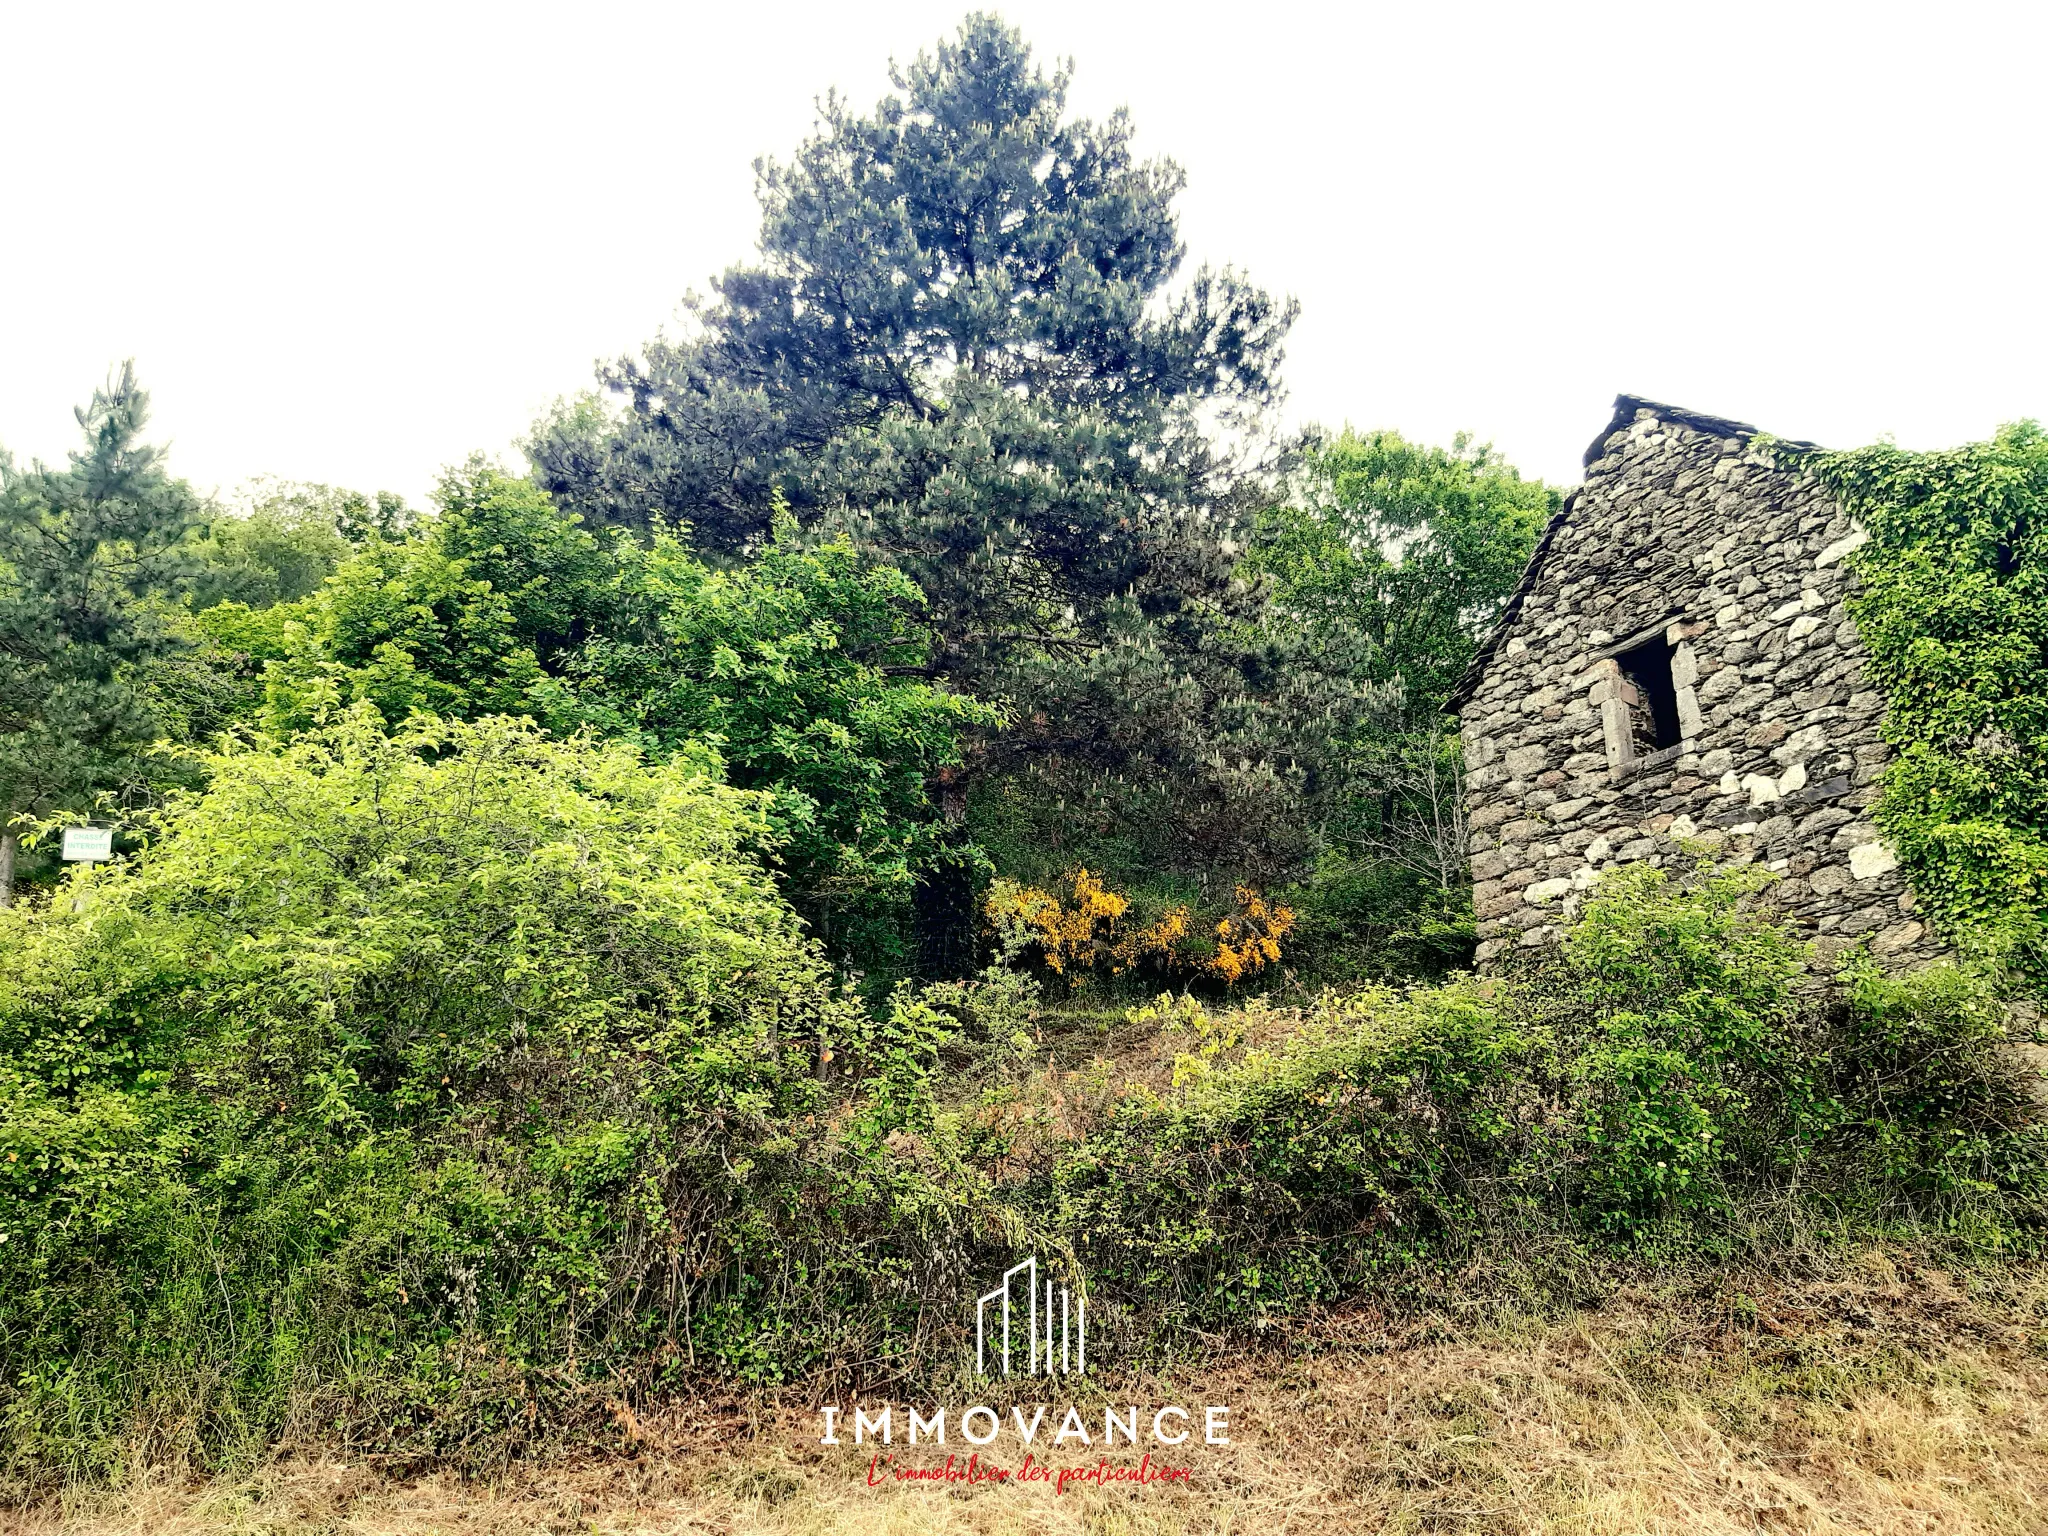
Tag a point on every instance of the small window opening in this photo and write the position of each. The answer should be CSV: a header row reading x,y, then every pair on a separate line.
x,y
1653,717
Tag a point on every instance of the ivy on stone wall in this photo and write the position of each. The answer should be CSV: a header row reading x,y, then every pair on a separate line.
x,y
1953,605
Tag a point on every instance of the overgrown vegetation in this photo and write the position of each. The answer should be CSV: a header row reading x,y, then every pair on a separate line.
x,y
684,916
433,1089
402,1072
1954,609
1661,1075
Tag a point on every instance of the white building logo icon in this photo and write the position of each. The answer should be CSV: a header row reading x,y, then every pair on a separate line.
x,y
1057,1334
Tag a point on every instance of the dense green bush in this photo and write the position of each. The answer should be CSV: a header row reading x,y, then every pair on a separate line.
x,y
1932,1105
422,1081
1303,1171
434,1089
1664,1073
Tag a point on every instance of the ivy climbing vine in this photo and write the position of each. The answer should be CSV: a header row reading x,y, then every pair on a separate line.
x,y
1953,606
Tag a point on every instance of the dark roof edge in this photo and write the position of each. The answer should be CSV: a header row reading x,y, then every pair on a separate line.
x,y
1626,406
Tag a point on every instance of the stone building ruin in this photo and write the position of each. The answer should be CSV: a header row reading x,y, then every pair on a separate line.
x,y
1677,671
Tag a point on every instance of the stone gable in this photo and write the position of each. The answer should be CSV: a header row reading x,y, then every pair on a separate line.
x,y
1678,666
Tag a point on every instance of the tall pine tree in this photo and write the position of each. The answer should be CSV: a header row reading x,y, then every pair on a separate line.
x,y
87,554
965,346
960,331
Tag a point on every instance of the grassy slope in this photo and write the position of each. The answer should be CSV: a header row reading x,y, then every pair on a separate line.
x,y
1876,1394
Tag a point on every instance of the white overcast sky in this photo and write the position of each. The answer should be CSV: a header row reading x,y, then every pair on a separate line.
x,y
353,243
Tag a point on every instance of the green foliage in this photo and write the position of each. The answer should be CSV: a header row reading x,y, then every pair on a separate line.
x,y
1931,1101
1692,1061
412,1082
1954,609
805,669
89,556
469,618
1304,1171
1362,917
959,282
257,634
1662,1073
288,540
1399,557
1386,563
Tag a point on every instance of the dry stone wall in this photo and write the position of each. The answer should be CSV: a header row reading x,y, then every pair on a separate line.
x,y
1677,672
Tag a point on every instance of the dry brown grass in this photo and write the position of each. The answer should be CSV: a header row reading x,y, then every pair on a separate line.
x,y
1890,1400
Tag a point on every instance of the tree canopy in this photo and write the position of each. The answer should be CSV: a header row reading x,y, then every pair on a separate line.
x,y
968,347
1400,556
90,552
964,347
965,253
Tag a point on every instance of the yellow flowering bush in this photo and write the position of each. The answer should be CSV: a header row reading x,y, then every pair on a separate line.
x,y
1083,929
1249,940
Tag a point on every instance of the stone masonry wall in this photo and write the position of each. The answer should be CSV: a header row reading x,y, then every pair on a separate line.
x,y
1682,528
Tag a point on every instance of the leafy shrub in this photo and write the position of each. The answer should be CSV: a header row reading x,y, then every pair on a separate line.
x,y
1248,940
1079,931
1670,1065
1685,1049
1304,1171
411,1084
1933,1103
804,667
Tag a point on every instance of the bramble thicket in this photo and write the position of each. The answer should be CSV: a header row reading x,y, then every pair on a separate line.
x,y
918,771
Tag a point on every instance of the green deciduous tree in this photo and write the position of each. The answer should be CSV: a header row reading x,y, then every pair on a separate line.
x,y
1388,561
286,540
1400,555
805,668
89,558
471,616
